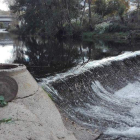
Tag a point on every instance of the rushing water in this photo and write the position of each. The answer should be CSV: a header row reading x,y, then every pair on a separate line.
x,y
96,83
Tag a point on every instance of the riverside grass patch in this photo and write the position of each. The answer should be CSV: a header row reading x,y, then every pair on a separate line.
x,y
2,101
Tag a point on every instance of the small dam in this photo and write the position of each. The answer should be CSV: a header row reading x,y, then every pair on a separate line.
x,y
102,94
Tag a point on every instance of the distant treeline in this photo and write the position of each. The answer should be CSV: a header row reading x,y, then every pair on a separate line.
x,y
65,17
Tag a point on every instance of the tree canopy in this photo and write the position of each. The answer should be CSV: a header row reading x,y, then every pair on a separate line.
x,y
46,16
50,17
106,7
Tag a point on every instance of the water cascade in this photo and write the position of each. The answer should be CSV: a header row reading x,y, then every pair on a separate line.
x,y
102,94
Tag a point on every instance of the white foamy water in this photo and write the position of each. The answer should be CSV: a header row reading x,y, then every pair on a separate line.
x,y
116,111
131,132
131,96
130,92
3,31
91,64
127,113
6,54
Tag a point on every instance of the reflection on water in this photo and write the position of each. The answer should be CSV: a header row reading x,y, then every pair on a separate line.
x,y
48,57
102,97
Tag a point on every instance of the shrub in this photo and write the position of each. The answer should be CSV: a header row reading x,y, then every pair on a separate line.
x,y
107,27
1,25
116,27
73,30
101,28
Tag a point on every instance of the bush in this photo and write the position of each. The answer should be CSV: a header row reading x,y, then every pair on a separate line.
x,y
101,28
112,28
1,25
74,30
107,27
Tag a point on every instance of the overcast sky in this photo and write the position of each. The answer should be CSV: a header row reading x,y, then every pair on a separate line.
x,y
3,6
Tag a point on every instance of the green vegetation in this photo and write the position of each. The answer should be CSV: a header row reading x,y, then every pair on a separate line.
x,y
2,104
2,101
45,17
47,93
111,7
6,120
68,18
120,37
1,25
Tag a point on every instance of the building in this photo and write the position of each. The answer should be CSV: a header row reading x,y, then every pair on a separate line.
x,y
6,20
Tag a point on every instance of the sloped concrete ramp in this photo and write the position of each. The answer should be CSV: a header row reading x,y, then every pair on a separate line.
x,y
34,115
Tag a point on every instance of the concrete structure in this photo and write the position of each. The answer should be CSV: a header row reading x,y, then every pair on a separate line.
x,y
6,20
34,115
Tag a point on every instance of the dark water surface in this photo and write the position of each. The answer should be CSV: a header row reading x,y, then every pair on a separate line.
x,y
48,57
96,83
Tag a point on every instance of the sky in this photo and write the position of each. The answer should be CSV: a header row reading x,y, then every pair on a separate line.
x,y
3,6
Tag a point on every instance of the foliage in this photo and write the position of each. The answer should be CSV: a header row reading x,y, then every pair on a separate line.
x,y
50,95
95,19
101,7
2,101
1,25
107,27
74,30
116,27
111,7
87,36
53,18
5,120
45,16
100,28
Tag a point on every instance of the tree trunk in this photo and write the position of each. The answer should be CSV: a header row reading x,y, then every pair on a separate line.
x,y
83,13
68,10
138,13
90,24
122,19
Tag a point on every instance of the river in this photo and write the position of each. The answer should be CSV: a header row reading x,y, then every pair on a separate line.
x,y
97,83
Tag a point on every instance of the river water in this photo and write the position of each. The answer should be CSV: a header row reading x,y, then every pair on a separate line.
x,y
97,84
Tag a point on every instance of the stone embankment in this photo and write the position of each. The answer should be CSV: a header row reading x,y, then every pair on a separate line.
x,y
33,114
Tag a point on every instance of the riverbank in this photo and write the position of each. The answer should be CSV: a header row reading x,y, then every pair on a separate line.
x,y
116,37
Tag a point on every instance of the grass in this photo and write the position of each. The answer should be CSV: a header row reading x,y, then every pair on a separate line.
x,y
2,101
6,120
2,104
51,97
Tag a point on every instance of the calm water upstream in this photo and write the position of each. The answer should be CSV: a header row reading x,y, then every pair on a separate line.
x,y
96,83
49,57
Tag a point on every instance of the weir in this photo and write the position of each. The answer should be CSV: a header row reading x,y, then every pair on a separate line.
x,y
103,94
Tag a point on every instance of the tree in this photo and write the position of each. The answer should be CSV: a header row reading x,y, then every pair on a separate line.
x,y
138,4
45,16
1,25
114,7
138,9
83,14
101,7
90,21
121,8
